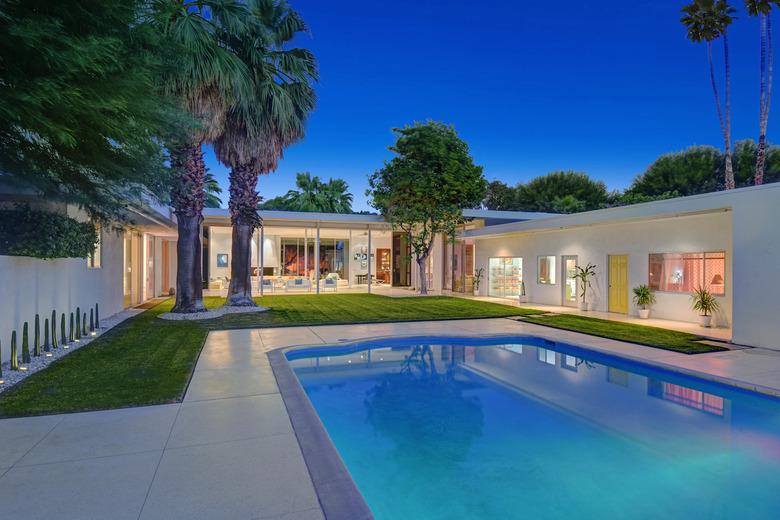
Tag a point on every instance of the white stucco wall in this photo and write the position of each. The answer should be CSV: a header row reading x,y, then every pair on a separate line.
x,y
33,286
688,234
756,265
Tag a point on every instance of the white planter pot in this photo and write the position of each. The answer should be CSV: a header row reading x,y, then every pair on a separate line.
x,y
522,299
644,313
583,306
705,321
476,291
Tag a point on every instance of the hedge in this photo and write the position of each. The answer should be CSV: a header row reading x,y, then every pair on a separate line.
x,y
43,234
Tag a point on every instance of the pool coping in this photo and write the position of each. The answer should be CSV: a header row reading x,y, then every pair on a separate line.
x,y
337,493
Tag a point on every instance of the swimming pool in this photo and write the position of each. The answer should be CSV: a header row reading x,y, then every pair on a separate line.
x,y
519,427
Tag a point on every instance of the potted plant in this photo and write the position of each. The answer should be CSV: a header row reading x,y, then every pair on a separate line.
x,y
522,297
584,275
478,280
644,297
704,302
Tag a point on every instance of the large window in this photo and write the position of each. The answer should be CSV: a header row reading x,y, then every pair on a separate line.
x,y
298,257
686,272
505,277
545,272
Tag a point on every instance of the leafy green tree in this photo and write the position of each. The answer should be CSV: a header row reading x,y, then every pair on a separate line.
x,y
745,163
708,20
561,191
255,134
212,190
80,111
425,187
695,170
499,196
763,9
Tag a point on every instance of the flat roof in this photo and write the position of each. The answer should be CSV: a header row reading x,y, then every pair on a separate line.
x,y
365,219
680,206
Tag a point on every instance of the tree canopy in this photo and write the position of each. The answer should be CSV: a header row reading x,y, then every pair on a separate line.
x,y
80,108
425,187
312,194
556,192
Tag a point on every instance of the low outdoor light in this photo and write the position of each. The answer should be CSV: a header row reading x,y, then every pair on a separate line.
x,y
23,369
49,354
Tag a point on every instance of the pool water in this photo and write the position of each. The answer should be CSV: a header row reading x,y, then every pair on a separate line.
x,y
500,428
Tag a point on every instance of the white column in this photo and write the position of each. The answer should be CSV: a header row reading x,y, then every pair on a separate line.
x,y
369,259
317,259
305,253
350,273
260,264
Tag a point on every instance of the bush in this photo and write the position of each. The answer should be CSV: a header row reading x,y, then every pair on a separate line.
x,y
46,235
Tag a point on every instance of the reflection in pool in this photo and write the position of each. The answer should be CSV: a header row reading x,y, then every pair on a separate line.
x,y
435,428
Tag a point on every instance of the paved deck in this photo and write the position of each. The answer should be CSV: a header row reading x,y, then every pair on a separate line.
x,y
229,450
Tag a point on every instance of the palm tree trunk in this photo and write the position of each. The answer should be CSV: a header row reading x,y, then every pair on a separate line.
x,y
766,93
727,133
188,197
726,136
243,214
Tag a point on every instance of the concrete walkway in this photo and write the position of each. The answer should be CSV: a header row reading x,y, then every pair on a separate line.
x,y
229,451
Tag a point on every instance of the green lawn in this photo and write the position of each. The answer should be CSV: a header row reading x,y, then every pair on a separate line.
x,y
643,335
146,360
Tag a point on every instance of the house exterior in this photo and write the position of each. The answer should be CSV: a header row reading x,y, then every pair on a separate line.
x,y
726,241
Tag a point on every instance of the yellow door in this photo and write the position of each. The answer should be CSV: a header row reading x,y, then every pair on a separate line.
x,y
618,283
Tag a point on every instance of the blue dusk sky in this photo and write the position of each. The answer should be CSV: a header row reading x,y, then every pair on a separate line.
x,y
600,87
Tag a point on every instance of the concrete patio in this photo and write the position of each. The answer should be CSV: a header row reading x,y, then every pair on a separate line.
x,y
229,450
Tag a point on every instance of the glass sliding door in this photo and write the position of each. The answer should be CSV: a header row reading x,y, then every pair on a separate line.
x,y
569,281
505,277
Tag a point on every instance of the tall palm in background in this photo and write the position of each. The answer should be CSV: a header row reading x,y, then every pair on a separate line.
x,y
256,133
314,195
763,9
708,20
208,77
212,190
336,196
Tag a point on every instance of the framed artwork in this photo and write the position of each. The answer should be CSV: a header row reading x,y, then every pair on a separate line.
x,y
222,259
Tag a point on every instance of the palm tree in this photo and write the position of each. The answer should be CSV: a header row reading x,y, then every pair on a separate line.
x,y
212,190
256,133
207,78
336,196
763,9
707,20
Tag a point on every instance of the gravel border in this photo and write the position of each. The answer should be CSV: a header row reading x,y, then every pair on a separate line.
x,y
208,315
13,377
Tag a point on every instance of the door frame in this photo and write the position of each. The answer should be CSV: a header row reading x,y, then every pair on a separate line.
x,y
609,282
565,303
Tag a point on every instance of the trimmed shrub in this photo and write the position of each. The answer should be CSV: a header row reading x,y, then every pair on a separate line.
x,y
37,341
70,336
25,345
78,324
14,356
91,320
43,234
84,325
97,316
1,357
46,346
54,329
63,337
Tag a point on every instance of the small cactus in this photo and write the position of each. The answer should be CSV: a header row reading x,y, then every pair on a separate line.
x,y
63,337
25,345
70,336
84,325
46,346
91,320
14,357
54,329
37,341
97,317
78,324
